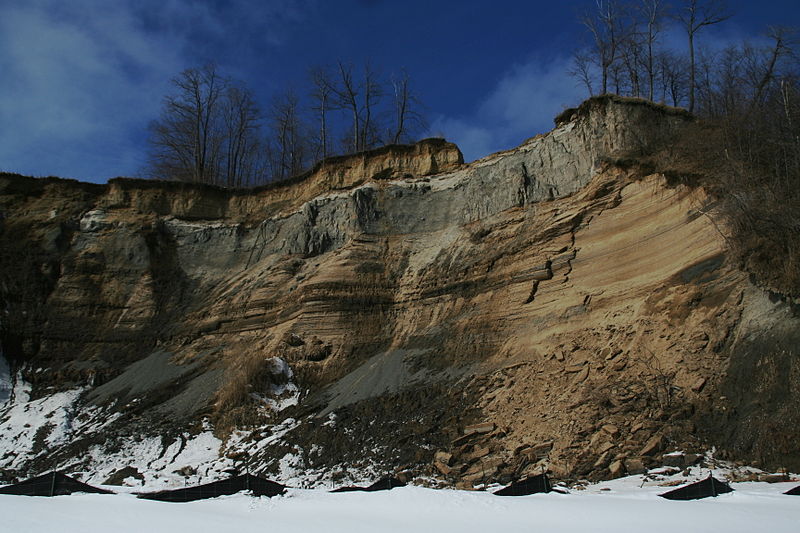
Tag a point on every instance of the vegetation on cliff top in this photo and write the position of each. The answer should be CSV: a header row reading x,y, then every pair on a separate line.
x,y
745,147
212,131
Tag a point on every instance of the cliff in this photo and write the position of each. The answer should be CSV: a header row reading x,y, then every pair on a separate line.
x,y
551,305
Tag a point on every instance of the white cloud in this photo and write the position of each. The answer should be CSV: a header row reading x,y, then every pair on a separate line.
x,y
81,79
527,97
80,86
522,103
474,140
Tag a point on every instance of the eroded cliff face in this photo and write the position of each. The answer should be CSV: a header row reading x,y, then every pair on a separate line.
x,y
545,306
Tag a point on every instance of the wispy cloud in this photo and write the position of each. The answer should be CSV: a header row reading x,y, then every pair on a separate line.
x,y
526,98
522,103
82,79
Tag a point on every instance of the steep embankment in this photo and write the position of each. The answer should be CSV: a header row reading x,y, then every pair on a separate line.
x,y
583,314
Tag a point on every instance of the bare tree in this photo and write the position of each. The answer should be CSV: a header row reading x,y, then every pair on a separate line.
x,y
671,72
720,85
372,94
241,128
707,80
323,90
741,79
652,12
360,101
289,151
185,140
208,132
782,39
617,78
210,127
406,116
694,16
632,60
582,69
604,24
346,97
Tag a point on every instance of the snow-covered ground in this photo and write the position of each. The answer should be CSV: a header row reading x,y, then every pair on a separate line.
x,y
190,460
31,429
23,421
35,428
626,504
624,508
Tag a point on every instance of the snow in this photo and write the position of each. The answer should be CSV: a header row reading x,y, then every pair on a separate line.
x,y
621,505
35,428
626,508
285,394
331,421
163,465
6,383
291,468
92,418
29,427
278,432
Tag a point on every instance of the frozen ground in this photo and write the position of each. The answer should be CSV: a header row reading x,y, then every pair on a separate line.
x,y
627,504
624,508
32,429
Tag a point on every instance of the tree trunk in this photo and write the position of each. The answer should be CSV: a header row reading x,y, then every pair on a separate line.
x,y
691,71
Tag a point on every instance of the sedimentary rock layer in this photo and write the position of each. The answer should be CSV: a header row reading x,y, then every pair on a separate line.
x,y
583,310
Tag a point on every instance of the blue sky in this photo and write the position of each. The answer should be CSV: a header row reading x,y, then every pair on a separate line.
x,y
80,80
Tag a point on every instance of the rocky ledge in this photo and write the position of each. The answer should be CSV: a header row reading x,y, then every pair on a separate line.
x,y
553,306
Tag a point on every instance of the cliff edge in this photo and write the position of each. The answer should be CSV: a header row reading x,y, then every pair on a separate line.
x,y
552,305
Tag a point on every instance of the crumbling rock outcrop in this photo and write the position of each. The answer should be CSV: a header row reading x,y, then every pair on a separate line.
x,y
584,311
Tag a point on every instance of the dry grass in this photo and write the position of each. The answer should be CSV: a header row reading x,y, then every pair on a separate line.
x,y
247,373
601,101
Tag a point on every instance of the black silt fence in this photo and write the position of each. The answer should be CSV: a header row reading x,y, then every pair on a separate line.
x,y
51,484
387,483
256,485
531,485
707,488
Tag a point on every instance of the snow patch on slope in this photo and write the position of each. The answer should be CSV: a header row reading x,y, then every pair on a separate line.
x,y
6,383
287,394
281,395
37,429
29,428
189,459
